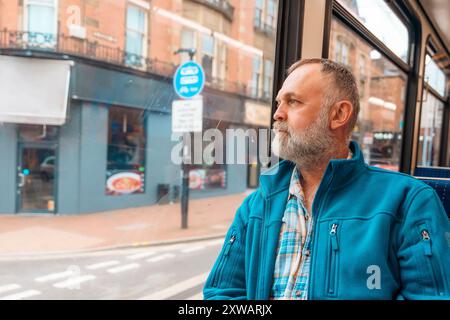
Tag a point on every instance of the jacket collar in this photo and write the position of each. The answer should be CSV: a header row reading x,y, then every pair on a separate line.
x,y
278,177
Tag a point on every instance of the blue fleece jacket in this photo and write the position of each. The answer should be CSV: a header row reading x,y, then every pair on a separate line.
x,y
392,240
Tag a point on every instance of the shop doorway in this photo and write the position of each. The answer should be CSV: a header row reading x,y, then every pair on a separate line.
x,y
36,176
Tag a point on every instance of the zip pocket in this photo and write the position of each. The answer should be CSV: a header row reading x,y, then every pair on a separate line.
x,y
333,254
432,262
224,258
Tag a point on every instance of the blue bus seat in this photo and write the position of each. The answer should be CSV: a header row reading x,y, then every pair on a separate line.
x,y
432,172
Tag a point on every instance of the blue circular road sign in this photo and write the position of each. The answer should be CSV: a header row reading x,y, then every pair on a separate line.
x,y
189,80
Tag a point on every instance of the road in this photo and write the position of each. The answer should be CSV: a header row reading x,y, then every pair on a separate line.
x,y
176,271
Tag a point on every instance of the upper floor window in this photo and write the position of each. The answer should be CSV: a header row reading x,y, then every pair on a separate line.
x,y
271,13
41,21
208,55
259,9
268,74
382,22
256,76
265,16
136,35
187,42
341,51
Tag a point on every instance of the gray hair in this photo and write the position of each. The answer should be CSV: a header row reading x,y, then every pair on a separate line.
x,y
342,85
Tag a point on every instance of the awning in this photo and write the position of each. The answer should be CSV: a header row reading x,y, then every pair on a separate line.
x,y
34,91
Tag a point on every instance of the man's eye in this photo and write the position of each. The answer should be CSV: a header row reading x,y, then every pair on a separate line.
x,y
293,101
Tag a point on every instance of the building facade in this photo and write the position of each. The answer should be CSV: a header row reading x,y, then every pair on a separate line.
x,y
113,149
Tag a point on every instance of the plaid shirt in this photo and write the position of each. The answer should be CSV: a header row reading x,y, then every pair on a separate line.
x,y
291,274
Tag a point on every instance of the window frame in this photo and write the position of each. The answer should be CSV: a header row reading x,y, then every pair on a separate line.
x,y
443,161
144,52
409,18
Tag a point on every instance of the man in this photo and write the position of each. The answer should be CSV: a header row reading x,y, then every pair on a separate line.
x,y
323,224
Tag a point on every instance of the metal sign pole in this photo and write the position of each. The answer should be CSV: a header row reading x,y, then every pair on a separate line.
x,y
185,184
188,82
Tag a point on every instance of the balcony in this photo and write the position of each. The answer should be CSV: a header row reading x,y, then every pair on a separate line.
x,y
223,6
13,42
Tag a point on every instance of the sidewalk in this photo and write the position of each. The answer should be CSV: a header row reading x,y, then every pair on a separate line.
x,y
132,227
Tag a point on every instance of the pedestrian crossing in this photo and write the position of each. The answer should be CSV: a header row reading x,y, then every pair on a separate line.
x,y
77,277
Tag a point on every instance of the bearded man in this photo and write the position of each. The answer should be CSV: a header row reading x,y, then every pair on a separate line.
x,y
323,224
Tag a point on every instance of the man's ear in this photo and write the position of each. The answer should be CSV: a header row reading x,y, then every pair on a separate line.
x,y
341,113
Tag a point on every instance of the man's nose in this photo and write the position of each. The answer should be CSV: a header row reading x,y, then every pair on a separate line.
x,y
280,113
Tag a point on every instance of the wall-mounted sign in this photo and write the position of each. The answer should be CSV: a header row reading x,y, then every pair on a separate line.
x,y
187,115
189,80
125,183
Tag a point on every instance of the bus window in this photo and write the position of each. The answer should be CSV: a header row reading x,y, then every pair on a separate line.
x,y
432,114
380,20
382,88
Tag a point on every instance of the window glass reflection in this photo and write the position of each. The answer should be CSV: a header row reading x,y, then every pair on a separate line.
x,y
382,22
382,92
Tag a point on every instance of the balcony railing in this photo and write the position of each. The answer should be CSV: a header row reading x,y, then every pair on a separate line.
x,y
63,44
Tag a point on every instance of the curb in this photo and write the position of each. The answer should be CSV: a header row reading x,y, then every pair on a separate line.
x,y
107,249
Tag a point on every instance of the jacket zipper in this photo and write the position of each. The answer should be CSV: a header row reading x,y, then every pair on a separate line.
x,y
223,259
436,274
315,216
334,248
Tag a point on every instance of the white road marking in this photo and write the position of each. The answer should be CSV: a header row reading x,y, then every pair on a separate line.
x,y
9,287
198,296
123,268
55,276
192,249
177,288
22,295
74,282
141,255
215,242
103,265
161,257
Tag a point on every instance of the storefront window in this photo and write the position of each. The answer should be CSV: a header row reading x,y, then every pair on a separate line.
x,y
379,19
208,174
126,151
382,88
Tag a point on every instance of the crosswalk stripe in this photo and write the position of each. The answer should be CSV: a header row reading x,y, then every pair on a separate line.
x,y
55,276
74,282
9,287
101,265
197,248
123,268
161,257
141,255
22,295
198,296
177,288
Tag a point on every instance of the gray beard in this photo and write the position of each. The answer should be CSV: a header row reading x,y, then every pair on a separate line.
x,y
312,147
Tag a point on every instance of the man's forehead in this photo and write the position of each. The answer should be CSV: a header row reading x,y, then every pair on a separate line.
x,y
304,78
